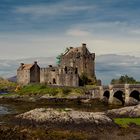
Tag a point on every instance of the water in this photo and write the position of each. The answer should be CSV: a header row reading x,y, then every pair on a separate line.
x,y
4,110
9,108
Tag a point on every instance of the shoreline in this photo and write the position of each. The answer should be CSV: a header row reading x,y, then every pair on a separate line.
x,y
30,130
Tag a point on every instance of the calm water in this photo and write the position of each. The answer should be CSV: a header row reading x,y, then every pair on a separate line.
x,y
4,110
10,108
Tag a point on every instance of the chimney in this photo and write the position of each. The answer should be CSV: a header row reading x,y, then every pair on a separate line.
x,y
35,62
50,66
83,45
71,47
21,65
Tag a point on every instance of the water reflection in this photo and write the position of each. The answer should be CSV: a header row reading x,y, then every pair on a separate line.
x,y
4,110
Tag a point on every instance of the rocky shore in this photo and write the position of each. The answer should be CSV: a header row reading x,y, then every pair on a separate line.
x,y
48,120
130,111
71,117
64,117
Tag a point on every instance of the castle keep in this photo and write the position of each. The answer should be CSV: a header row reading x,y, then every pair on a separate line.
x,y
73,63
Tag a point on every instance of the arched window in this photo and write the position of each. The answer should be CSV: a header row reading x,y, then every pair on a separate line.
x,y
54,81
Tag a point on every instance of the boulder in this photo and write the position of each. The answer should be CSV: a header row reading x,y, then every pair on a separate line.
x,y
64,116
131,111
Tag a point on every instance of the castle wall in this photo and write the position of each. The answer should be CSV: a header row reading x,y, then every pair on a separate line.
x,y
35,74
81,59
68,77
28,73
23,77
49,76
58,76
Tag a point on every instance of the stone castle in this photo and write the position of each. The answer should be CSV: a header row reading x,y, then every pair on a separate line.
x,y
73,64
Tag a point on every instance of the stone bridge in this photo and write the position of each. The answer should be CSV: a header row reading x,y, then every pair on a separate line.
x,y
123,93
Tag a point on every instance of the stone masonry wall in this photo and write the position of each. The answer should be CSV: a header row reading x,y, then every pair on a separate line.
x,y
81,59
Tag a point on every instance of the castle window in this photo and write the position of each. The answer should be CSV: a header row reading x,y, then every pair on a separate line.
x,y
54,81
76,71
78,55
66,70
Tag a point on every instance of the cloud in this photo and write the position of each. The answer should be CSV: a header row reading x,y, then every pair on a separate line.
x,y
113,66
77,32
52,9
25,45
135,32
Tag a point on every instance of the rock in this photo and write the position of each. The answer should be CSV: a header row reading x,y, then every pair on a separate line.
x,y
131,111
68,116
12,97
85,101
45,96
132,101
1,97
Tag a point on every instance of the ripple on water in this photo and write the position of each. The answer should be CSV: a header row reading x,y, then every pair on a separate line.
x,y
4,110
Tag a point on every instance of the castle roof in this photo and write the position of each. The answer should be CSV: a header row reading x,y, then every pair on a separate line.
x,y
27,66
77,50
74,50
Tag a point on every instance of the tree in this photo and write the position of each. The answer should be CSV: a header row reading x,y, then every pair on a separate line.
x,y
60,56
84,80
124,79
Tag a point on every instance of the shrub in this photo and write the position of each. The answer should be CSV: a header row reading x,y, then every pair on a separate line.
x,y
66,91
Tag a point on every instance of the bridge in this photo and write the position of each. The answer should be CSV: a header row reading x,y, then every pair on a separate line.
x,y
118,94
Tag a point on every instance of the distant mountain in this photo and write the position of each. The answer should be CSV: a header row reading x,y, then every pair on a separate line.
x,y
107,66
12,79
113,66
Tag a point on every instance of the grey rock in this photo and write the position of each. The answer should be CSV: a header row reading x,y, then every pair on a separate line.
x,y
42,115
131,111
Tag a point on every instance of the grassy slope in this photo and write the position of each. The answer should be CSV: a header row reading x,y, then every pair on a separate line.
x,y
5,85
51,91
124,122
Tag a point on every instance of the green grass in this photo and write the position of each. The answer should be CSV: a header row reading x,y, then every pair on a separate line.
x,y
5,85
124,122
36,89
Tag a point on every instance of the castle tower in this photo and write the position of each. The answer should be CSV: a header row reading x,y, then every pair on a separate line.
x,y
81,59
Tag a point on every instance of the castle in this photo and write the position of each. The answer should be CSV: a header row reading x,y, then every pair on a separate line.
x,y
73,64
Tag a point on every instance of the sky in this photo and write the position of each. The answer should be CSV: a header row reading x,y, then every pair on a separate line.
x,y
34,28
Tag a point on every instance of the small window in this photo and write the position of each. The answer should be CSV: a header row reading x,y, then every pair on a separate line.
x,y
76,71
66,70
54,81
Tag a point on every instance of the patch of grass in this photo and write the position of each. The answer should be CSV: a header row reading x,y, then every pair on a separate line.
x,y
124,122
78,90
66,91
6,86
39,89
